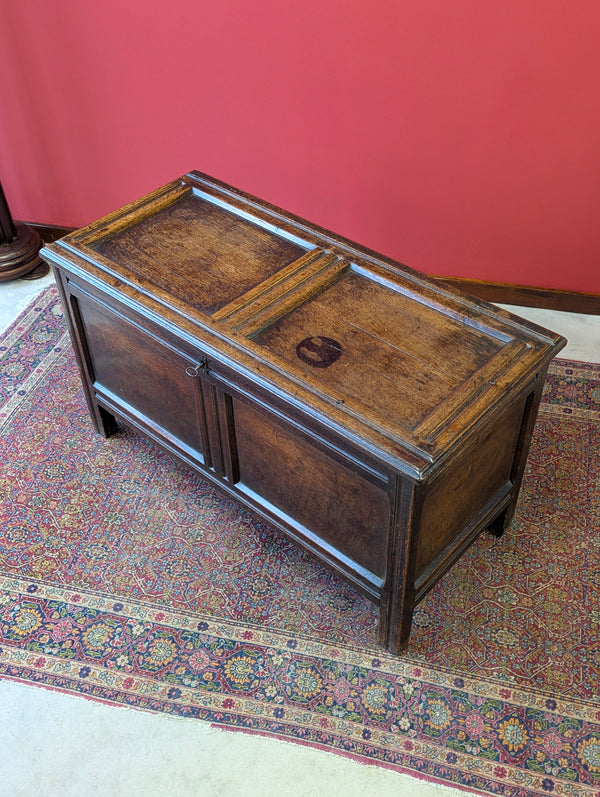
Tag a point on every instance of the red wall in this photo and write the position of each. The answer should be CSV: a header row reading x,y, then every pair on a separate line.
x,y
461,137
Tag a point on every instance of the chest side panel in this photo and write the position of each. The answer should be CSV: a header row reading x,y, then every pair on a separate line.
x,y
475,485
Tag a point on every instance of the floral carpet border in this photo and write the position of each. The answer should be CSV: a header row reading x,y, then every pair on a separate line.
x,y
459,730
462,731
579,382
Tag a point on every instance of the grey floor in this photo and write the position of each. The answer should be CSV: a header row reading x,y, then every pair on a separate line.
x,y
53,744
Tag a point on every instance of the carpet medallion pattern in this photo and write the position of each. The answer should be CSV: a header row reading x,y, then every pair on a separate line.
x,y
125,578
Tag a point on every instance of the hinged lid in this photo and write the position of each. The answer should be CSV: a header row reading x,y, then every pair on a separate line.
x,y
394,358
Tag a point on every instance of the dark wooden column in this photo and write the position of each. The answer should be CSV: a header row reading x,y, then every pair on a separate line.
x,y
19,247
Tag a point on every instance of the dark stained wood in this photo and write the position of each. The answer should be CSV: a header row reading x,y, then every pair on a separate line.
x,y
376,417
477,477
320,493
527,296
19,246
399,591
8,231
50,232
150,379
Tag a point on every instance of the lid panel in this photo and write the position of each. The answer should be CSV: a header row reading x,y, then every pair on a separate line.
x,y
378,346
200,252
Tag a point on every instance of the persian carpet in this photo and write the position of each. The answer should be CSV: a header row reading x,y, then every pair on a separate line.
x,y
125,578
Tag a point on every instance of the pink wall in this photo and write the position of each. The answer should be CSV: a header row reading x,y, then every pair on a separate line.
x,y
461,137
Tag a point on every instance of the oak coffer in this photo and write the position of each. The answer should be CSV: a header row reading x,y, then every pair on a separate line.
x,y
373,415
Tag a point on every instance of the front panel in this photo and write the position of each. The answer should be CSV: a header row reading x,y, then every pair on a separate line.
x,y
340,509
140,376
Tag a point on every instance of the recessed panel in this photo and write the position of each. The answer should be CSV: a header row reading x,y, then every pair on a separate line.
x,y
201,252
140,371
335,502
379,348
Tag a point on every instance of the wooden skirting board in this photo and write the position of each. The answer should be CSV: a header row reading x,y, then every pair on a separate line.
x,y
497,292
525,296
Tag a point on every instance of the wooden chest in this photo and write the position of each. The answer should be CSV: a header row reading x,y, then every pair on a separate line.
x,y
373,415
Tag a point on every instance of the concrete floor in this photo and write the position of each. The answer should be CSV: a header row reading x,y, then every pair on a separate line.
x,y
54,744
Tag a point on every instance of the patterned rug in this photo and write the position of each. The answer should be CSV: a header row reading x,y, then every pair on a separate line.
x,y
126,579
